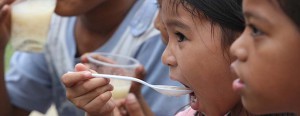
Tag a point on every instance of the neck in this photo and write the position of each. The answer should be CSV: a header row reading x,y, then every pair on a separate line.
x,y
94,28
106,17
239,110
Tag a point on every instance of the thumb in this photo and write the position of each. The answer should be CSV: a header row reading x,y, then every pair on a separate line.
x,y
133,106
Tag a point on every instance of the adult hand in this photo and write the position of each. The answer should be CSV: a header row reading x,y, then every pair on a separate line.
x,y
4,22
93,95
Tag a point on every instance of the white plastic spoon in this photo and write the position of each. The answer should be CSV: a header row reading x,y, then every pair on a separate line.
x,y
163,89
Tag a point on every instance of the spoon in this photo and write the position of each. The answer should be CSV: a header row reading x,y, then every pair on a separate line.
x,y
163,89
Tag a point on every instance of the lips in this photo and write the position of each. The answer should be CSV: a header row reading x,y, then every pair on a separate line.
x,y
238,84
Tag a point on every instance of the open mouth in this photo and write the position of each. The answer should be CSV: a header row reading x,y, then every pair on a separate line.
x,y
193,99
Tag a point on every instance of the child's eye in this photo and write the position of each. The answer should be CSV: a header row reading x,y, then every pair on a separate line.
x,y
255,31
180,37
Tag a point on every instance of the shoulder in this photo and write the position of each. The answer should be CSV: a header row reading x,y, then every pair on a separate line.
x,y
143,18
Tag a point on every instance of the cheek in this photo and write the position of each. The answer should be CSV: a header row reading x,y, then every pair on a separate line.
x,y
267,74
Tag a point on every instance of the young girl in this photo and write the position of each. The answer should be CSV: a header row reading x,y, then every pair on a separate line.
x,y
268,57
200,33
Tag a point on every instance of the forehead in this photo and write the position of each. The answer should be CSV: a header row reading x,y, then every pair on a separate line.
x,y
177,7
169,6
264,9
261,5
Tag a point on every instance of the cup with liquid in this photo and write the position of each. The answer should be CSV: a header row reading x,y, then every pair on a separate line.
x,y
30,21
106,63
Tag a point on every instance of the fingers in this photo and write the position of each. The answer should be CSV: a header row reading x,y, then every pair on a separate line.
x,y
120,110
4,8
87,98
101,105
88,86
140,72
103,59
3,12
81,67
84,59
71,79
133,106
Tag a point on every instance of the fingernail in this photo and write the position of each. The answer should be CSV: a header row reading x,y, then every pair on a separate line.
x,y
87,74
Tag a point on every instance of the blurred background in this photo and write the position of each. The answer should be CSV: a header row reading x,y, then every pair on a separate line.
x,y
8,53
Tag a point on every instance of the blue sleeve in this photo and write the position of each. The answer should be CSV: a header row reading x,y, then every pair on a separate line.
x,y
149,55
28,82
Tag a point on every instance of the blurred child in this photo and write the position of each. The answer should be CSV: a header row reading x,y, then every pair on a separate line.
x,y
268,54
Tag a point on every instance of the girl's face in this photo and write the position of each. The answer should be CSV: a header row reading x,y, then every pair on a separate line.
x,y
268,59
76,7
195,58
159,25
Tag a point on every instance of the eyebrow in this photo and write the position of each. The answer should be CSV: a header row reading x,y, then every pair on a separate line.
x,y
249,14
176,23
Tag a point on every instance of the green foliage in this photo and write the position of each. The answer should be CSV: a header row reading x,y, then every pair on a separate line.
x,y
8,53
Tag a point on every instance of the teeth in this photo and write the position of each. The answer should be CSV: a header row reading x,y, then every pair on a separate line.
x,y
193,99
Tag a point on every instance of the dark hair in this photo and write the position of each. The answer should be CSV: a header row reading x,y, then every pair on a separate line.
x,y
291,8
225,13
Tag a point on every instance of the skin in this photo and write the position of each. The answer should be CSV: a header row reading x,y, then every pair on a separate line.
x,y
267,59
159,25
195,58
7,109
96,21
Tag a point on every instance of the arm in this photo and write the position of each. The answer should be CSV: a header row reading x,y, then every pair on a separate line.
x,y
7,109
5,105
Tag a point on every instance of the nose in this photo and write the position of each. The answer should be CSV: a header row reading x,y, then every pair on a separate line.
x,y
238,49
167,58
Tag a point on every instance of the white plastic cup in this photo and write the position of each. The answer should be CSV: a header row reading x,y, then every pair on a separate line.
x,y
30,24
105,63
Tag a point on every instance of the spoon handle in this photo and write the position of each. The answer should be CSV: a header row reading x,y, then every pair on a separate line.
x,y
122,78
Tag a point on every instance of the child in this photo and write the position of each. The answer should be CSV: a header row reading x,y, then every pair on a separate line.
x,y
200,33
268,57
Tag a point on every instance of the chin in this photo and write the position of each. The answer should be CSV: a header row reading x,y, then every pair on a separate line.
x,y
62,12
